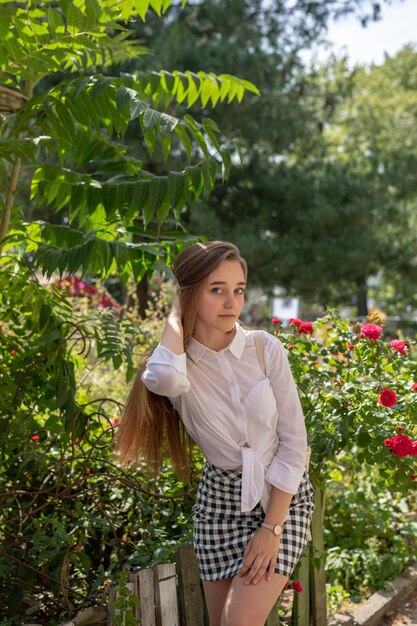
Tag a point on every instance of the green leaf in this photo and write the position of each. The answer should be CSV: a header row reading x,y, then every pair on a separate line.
x,y
74,19
166,147
54,20
124,96
101,85
209,169
140,198
157,191
142,7
150,140
150,119
211,128
137,107
197,134
167,124
193,90
176,188
168,80
184,138
163,211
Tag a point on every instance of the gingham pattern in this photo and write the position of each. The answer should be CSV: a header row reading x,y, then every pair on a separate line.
x,y
222,531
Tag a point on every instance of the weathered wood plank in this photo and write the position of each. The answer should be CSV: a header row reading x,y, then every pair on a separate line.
x,y
318,577
190,593
301,601
146,593
133,580
166,595
113,595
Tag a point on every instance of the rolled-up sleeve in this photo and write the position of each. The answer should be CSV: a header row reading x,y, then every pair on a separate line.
x,y
166,373
288,465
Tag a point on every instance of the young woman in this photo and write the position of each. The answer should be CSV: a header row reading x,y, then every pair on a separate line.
x,y
254,502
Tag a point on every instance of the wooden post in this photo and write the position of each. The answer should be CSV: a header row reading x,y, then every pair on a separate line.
x,y
317,573
133,580
113,596
146,593
190,593
166,595
301,601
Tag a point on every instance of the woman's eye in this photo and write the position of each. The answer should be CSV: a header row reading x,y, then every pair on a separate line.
x,y
240,291
216,290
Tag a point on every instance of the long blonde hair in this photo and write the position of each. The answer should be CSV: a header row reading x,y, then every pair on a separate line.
x,y
150,425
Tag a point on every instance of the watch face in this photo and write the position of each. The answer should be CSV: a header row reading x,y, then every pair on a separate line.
x,y
277,530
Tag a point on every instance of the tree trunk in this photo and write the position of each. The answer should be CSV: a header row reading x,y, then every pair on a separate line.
x,y
362,296
142,292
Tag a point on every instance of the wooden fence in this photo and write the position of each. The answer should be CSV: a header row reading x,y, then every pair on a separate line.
x,y
171,594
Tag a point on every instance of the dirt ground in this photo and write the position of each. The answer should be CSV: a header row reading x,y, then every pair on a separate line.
x,y
403,616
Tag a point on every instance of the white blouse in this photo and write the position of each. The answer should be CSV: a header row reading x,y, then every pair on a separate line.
x,y
225,402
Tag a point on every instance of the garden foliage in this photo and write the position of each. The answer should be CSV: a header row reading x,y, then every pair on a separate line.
x,y
74,197
70,516
358,391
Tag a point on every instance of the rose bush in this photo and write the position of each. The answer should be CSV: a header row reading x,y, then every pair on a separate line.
x,y
356,390
358,393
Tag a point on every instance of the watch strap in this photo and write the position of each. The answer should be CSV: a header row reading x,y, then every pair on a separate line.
x,y
275,528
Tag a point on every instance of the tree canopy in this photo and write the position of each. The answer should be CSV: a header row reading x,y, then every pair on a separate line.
x,y
67,132
308,187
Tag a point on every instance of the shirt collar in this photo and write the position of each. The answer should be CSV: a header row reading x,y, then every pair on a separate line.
x,y
197,350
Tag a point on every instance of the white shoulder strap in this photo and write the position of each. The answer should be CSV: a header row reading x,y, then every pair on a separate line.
x,y
259,345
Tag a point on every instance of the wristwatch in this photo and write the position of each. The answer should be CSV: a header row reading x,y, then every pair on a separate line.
x,y
276,528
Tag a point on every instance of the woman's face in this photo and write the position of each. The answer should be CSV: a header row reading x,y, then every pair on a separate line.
x,y
222,298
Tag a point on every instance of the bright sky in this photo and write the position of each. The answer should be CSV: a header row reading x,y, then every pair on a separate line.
x,y
397,27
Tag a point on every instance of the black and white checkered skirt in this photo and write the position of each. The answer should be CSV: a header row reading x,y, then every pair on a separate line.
x,y
222,531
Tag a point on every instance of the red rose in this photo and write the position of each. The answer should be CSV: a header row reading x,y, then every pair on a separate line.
x,y
400,445
115,421
387,397
413,477
399,346
414,386
13,352
400,429
291,347
350,346
35,438
295,321
293,584
305,328
371,331
413,448
276,321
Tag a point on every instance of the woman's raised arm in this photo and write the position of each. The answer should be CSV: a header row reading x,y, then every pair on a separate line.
x,y
166,370
172,337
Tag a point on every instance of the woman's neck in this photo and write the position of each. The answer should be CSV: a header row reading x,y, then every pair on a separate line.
x,y
214,340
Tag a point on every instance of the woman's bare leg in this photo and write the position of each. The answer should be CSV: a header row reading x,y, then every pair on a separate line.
x,y
250,605
215,593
